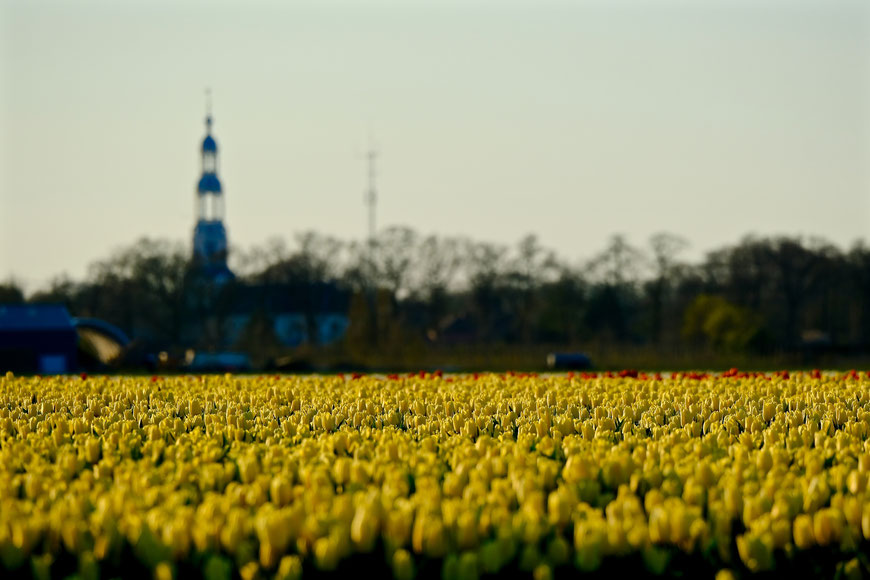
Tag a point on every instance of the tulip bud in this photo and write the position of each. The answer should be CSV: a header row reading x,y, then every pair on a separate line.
x,y
764,460
280,491
755,551
325,554
364,529
92,450
559,508
558,551
467,568
543,572
827,526
655,559
704,474
403,565
659,526
290,568
249,468
857,482
466,530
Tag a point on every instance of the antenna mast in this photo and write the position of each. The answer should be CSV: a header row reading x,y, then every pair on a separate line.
x,y
371,200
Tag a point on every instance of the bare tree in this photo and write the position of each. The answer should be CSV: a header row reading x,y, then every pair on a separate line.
x,y
436,265
396,247
665,248
619,264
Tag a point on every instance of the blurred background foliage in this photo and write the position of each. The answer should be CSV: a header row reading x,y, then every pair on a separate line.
x,y
428,301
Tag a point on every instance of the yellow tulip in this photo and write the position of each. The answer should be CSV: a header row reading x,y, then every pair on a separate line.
x,y
289,568
476,473
827,526
403,565
364,529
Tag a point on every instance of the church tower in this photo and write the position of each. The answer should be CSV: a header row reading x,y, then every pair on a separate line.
x,y
210,236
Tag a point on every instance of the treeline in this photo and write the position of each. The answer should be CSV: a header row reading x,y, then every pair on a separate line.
x,y
763,295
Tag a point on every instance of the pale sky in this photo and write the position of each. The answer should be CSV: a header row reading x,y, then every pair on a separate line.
x,y
572,120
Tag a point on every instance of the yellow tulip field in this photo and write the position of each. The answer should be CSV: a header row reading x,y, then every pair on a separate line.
x,y
431,476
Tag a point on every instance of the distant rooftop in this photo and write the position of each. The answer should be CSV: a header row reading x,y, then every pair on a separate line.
x,y
34,317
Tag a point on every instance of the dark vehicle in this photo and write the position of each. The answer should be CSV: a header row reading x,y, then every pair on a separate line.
x,y
568,361
204,362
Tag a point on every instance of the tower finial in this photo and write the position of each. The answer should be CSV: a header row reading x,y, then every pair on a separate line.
x,y
208,108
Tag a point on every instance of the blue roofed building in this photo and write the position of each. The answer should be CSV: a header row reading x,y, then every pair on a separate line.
x,y
37,338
